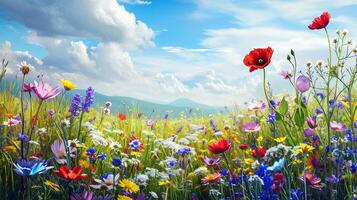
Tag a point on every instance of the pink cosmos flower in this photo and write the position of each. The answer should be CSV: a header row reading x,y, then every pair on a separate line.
x,y
286,74
11,122
59,150
27,87
45,91
337,126
251,127
255,106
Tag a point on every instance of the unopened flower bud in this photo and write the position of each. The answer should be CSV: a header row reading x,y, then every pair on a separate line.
x,y
319,63
334,40
349,42
345,32
309,64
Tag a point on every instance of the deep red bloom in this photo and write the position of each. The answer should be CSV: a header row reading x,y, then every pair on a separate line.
x,y
320,22
258,152
243,146
258,58
219,147
122,116
278,181
65,173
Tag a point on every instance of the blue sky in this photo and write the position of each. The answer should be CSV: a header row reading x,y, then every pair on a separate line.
x,y
163,50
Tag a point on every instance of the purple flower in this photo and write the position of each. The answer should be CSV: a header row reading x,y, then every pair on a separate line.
x,y
23,137
211,161
311,122
51,112
302,84
321,96
213,125
76,105
88,100
308,132
251,127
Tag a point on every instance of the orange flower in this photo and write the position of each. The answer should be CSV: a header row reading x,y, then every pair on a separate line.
x,y
211,178
258,58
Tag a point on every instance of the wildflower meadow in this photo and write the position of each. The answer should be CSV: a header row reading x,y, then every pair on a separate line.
x,y
302,145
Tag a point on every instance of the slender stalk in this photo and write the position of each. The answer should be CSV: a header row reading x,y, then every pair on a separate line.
x,y
328,87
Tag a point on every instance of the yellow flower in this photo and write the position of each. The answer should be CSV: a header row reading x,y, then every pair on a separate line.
x,y
129,186
9,148
67,84
280,139
122,197
248,161
52,185
297,161
191,175
164,183
135,153
304,148
84,163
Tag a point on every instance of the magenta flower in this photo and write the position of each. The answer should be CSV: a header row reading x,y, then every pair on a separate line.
x,y
255,106
210,162
311,122
337,126
251,127
45,91
27,87
302,84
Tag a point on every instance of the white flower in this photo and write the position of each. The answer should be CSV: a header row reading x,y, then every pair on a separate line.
x,y
151,172
65,122
256,178
201,170
141,179
117,131
153,195
42,131
106,181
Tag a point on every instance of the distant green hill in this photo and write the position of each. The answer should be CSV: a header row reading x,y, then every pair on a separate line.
x,y
122,103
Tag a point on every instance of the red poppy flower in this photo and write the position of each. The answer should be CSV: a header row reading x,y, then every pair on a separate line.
x,y
320,22
65,173
258,152
219,147
243,146
258,58
122,116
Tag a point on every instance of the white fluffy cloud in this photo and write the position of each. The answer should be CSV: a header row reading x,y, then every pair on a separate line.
x,y
103,20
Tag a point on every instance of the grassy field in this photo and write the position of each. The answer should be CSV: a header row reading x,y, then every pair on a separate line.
x,y
299,146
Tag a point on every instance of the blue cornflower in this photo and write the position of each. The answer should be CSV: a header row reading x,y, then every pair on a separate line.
x,y
31,168
75,106
102,156
91,154
321,96
318,111
23,137
350,152
183,151
116,162
135,144
88,100
277,166
273,103
354,167
271,118
339,105
224,172
331,103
